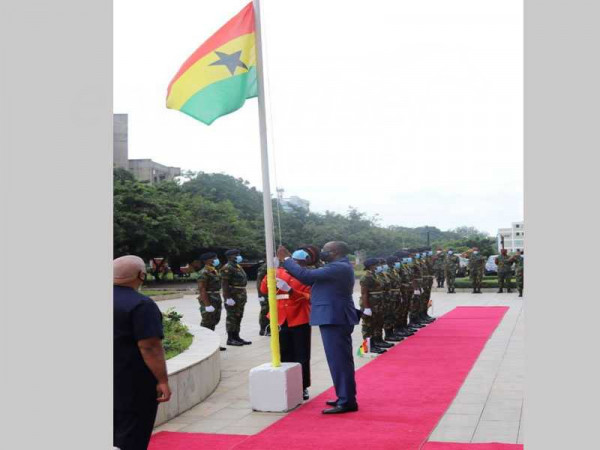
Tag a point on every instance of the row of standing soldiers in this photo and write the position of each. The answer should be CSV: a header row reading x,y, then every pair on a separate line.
x,y
395,297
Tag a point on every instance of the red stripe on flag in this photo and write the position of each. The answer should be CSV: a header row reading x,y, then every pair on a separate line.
x,y
242,23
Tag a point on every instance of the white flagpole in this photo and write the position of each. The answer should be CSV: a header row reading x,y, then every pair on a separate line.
x,y
267,202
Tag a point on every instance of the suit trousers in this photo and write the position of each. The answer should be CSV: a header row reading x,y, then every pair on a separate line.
x,y
337,341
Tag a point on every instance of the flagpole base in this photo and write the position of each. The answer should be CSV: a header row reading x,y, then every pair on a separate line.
x,y
275,389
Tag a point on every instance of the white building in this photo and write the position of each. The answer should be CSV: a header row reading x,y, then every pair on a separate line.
x,y
514,237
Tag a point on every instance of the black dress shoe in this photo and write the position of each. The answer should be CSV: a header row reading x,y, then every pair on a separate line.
x,y
305,395
234,342
222,349
394,338
383,344
331,402
261,332
243,341
340,409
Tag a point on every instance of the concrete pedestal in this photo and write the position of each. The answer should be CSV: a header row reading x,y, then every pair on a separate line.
x,y
276,389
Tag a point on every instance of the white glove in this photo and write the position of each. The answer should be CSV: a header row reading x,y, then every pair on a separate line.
x,y
368,312
230,302
283,286
209,308
416,292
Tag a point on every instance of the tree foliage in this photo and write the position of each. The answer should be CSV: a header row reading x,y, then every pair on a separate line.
x,y
176,220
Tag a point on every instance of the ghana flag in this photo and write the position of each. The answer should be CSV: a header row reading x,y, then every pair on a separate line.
x,y
221,74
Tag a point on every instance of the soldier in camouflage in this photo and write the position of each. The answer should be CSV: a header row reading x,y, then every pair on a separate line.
x,y
427,284
263,320
476,268
233,282
519,262
417,285
406,290
438,267
504,263
394,300
209,288
372,303
386,283
451,265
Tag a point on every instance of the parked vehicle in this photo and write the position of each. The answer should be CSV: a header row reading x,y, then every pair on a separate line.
x,y
462,267
490,266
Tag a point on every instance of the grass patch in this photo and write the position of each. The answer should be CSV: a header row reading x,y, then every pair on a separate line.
x,y
487,282
177,336
152,292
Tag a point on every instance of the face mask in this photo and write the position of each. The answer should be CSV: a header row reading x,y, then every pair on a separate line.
x,y
386,267
417,256
438,252
238,259
378,269
216,262
409,260
475,252
450,252
397,265
325,256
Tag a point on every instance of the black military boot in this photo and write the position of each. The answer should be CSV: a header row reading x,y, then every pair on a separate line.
x,y
262,332
391,337
237,336
379,342
231,340
509,290
375,349
520,293
499,291
403,332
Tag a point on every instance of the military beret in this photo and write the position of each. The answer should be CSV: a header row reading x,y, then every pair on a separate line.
x,y
402,254
208,255
391,259
371,262
233,251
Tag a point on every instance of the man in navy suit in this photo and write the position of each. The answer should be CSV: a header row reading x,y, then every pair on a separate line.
x,y
333,310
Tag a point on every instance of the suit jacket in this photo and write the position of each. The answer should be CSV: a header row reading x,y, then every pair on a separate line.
x,y
331,294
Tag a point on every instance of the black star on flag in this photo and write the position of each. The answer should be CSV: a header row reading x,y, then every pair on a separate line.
x,y
232,61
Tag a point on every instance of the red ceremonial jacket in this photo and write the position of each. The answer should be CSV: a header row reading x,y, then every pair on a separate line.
x,y
293,306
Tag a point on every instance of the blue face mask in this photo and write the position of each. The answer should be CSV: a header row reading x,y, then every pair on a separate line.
x,y
239,259
378,269
408,260
386,267
216,262
397,265
450,252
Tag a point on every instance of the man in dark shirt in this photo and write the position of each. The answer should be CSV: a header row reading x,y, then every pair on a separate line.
x,y
139,370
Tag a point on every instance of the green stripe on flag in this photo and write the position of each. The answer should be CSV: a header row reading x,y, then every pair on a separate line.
x,y
222,97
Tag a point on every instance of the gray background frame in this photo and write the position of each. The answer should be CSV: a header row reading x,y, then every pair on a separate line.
x,y
56,187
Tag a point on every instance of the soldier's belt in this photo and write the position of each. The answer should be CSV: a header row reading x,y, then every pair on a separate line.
x,y
213,292
376,292
237,287
394,290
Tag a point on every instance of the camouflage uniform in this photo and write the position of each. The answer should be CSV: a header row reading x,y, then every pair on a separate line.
x,y
451,265
427,283
504,264
519,263
375,287
406,290
476,268
394,303
417,285
438,269
263,321
212,281
237,279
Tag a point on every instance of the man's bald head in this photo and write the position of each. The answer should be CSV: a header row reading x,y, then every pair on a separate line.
x,y
127,271
337,249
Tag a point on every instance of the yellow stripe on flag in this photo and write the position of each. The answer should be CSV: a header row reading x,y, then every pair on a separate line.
x,y
201,73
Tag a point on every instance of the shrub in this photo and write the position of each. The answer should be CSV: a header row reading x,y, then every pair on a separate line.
x,y
177,336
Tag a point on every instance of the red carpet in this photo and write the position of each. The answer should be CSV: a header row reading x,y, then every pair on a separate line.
x,y
459,446
402,395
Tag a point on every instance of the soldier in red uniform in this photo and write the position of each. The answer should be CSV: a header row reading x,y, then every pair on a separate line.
x,y
293,310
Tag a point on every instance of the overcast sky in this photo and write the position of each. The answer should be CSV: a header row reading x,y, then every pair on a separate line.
x,y
407,109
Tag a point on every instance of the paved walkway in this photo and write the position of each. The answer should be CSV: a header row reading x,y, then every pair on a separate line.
x,y
488,407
